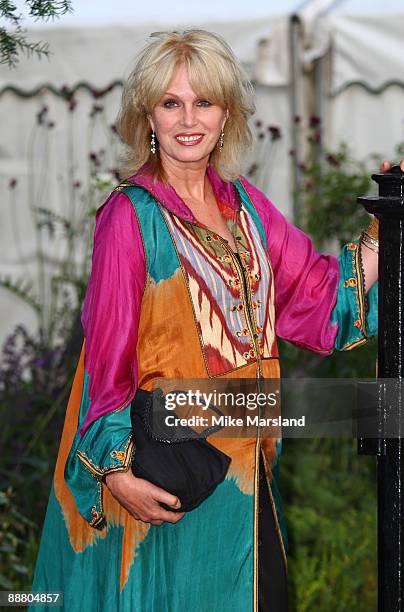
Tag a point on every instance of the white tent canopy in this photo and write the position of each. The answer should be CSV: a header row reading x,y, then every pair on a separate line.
x,y
101,55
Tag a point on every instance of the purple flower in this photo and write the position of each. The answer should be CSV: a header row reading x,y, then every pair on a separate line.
x,y
333,160
275,132
314,121
41,114
252,169
115,173
96,108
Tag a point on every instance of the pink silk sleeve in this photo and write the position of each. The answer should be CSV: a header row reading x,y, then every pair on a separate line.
x,y
111,309
306,282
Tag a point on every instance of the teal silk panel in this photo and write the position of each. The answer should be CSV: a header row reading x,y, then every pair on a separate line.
x,y
347,311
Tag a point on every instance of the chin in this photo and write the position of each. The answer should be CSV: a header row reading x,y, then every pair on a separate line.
x,y
193,156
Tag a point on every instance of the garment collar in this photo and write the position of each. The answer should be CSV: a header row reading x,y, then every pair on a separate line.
x,y
224,191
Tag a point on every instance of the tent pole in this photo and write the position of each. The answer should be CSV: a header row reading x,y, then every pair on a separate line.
x,y
295,106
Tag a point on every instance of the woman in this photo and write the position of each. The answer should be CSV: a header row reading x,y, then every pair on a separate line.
x,y
194,274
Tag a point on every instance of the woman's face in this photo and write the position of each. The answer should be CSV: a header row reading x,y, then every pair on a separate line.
x,y
187,127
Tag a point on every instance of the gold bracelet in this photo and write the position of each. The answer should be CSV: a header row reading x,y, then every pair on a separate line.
x,y
371,243
373,229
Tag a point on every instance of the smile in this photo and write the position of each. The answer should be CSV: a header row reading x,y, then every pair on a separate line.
x,y
190,139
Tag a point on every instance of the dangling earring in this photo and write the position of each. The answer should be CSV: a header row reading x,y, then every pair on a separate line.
x,y
221,140
153,143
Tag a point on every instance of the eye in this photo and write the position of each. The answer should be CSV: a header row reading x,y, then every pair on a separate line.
x,y
169,103
204,103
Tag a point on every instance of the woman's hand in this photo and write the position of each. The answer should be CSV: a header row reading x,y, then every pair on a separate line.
x,y
386,166
141,498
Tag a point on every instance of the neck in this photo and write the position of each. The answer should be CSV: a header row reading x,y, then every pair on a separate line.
x,y
188,180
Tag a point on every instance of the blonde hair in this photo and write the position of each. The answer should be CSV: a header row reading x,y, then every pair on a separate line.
x,y
213,71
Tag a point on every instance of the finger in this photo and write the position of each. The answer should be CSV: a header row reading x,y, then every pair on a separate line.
x,y
167,498
385,166
153,519
169,517
402,165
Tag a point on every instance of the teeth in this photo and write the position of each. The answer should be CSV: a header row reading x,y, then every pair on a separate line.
x,y
188,138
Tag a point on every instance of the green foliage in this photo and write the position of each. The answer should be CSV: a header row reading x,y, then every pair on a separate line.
x,y
17,540
329,496
15,42
329,491
330,501
328,197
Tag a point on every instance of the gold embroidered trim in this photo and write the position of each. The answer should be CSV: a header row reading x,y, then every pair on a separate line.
x,y
278,529
361,300
98,521
122,185
360,296
255,527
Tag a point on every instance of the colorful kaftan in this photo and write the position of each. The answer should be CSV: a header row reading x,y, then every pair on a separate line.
x,y
165,300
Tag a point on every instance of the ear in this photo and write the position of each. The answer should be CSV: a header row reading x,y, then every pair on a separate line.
x,y
227,116
150,122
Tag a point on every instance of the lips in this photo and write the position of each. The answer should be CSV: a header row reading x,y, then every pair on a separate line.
x,y
189,139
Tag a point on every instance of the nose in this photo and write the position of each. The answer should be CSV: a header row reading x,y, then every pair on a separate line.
x,y
188,118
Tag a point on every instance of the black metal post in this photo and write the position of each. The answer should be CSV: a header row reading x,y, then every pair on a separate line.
x,y
389,209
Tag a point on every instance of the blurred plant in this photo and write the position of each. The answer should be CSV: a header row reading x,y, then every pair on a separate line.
x,y
13,43
331,181
331,513
17,541
265,146
37,367
329,492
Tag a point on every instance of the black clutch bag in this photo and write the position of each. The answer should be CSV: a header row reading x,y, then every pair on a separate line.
x,y
179,460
